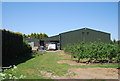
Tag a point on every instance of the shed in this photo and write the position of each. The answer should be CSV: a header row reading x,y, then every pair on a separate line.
x,y
85,34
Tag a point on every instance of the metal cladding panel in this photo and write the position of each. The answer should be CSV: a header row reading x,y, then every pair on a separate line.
x,y
85,34
36,41
93,35
53,38
71,37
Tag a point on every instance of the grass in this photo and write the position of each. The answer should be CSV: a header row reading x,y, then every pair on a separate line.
x,y
47,62
95,66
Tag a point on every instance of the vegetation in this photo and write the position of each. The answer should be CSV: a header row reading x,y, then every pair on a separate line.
x,y
13,47
15,50
32,68
97,51
36,35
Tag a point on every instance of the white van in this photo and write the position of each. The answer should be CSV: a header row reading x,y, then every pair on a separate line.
x,y
51,46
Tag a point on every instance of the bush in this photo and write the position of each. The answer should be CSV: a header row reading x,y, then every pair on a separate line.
x,y
27,49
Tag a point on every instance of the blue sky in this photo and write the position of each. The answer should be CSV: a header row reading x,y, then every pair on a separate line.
x,y
56,17
60,0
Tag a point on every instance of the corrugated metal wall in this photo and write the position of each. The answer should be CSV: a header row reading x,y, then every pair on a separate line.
x,y
53,38
85,34
93,35
71,37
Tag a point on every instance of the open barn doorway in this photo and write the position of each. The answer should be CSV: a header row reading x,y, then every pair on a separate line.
x,y
50,45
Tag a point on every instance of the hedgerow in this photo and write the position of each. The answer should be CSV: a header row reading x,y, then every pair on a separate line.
x,y
96,51
13,48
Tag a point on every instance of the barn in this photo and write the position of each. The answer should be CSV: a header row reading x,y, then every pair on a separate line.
x,y
75,36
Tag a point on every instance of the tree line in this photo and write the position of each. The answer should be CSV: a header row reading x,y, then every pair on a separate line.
x,y
36,35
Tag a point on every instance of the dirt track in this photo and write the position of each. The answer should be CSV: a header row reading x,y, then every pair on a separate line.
x,y
84,73
95,73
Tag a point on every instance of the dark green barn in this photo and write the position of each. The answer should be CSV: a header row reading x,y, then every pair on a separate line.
x,y
75,36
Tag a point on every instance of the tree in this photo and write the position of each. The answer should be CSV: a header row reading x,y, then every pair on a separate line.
x,y
36,35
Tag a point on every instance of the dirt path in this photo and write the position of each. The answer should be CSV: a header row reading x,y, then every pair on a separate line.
x,y
95,73
86,73
70,62
83,73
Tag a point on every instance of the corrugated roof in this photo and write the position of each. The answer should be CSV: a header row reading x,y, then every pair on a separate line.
x,y
56,37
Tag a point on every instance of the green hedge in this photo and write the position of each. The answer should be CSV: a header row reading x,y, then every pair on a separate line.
x,y
13,47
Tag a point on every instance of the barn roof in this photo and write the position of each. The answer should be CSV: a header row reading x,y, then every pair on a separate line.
x,y
56,37
85,29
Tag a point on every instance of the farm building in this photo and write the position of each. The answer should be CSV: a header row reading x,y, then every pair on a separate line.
x,y
34,43
75,36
